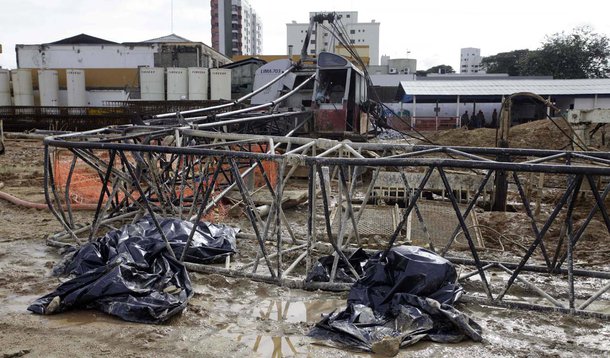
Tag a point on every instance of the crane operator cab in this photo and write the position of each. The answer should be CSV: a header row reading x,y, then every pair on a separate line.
x,y
339,93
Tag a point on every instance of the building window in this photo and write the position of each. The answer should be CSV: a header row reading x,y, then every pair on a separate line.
x,y
313,42
313,52
348,16
352,31
352,41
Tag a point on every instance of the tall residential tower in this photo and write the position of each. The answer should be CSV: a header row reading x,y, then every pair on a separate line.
x,y
236,29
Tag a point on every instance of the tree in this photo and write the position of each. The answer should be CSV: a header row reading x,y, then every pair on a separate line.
x,y
580,54
505,62
440,69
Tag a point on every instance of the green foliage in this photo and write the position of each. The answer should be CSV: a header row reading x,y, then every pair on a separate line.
x,y
505,62
579,54
440,69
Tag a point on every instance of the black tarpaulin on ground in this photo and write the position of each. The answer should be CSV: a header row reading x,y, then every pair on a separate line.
x,y
406,298
130,273
321,270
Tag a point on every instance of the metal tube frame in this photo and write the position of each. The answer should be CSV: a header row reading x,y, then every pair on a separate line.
x,y
199,168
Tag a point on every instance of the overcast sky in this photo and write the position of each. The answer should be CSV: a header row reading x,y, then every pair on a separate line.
x,y
430,31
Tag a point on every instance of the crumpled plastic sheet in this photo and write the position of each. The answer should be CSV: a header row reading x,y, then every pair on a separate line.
x,y
400,301
130,273
321,270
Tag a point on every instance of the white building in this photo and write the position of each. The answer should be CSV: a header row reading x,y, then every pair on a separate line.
x,y
236,28
470,60
87,52
251,35
110,71
361,34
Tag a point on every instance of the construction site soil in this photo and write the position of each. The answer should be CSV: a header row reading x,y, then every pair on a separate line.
x,y
542,134
238,317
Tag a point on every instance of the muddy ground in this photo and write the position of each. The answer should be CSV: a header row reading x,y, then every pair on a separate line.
x,y
226,317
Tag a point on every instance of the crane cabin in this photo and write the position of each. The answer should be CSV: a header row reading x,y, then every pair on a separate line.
x,y
339,94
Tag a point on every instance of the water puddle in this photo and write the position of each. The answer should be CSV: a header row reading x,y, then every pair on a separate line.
x,y
272,346
17,303
297,311
82,318
283,323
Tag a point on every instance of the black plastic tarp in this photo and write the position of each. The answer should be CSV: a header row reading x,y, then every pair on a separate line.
x,y
407,297
321,270
130,273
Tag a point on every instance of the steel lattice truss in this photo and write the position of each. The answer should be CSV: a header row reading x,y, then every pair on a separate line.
x,y
186,172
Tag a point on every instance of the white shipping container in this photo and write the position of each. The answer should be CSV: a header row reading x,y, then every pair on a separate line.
x,y
22,87
177,83
5,88
220,83
152,83
97,98
48,84
198,83
75,83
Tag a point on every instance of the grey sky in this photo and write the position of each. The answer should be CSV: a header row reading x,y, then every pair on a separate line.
x,y
431,31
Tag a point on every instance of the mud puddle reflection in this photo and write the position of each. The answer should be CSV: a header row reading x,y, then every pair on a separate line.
x,y
266,321
284,324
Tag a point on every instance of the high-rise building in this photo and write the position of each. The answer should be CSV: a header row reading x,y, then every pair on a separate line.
x,y
236,29
364,36
470,60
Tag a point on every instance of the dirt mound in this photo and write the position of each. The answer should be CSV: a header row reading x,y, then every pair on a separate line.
x,y
540,134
